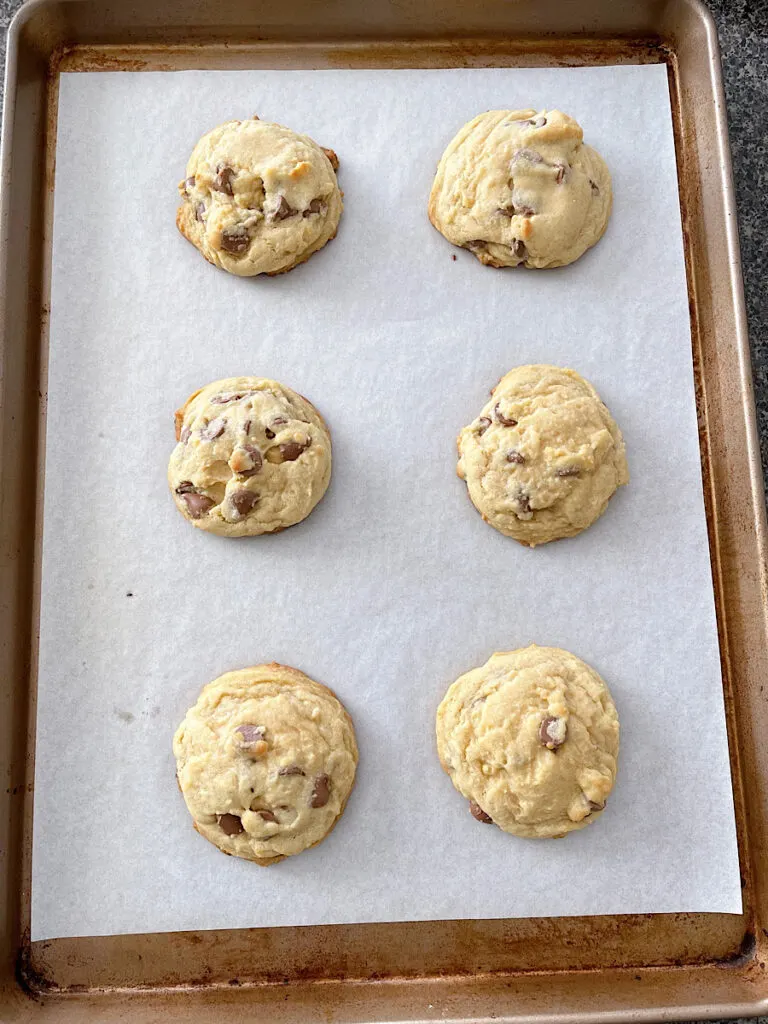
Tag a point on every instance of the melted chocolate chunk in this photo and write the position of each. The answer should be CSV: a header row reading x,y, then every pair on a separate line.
x,y
315,206
230,824
235,240
505,421
213,429
321,791
479,814
223,180
244,502
282,210
552,732
197,504
287,452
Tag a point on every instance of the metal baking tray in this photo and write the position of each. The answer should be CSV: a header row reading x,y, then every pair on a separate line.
x,y
642,967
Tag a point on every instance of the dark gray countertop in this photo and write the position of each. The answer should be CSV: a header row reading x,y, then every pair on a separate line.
x,y
743,31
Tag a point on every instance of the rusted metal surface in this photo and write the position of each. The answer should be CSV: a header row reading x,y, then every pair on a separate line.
x,y
602,968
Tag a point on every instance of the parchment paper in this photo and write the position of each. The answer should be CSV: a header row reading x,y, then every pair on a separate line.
x,y
394,586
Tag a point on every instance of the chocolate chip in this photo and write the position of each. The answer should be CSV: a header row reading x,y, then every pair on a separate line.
x,y
516,211
552,732
593,806
332,157
528,154
559,177
197,504
244,502
246,461
248,734
223,180
476,244
482,425
230,824
505,421
267,815
185,435
479,814
214,429
292,769
185,487
278,421
593,186
315,206
524,502
189,184
513,455
567,471
321,791
518,248
530,122
250,740
288,452
247,427
199,212
256,459
229,396
234,240
282,210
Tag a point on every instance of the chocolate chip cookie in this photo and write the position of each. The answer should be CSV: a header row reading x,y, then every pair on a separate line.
x,y
252,457
266,761
544,456
519,187
259,198
531,740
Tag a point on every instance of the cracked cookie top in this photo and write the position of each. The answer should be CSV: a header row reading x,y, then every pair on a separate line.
x,y
544,456
259,198
519,187
531,740
252,457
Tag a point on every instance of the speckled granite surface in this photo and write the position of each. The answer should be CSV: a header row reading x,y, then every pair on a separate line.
x,y
743,30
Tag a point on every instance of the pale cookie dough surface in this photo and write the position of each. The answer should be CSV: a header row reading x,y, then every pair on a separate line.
x,y
544,456
266,761
259,198
531,739
520,187
252,457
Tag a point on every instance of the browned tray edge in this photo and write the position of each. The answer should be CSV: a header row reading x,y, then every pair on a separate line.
x,y
753,948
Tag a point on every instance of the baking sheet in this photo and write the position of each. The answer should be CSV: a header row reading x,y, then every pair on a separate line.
x,y
394,586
